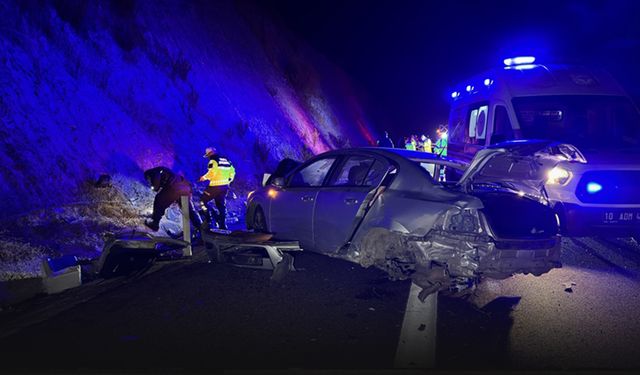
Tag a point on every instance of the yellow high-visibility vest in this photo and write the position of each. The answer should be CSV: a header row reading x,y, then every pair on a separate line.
x,y
220,173
427,145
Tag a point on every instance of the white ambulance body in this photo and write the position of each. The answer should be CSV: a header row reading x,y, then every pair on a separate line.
x,y
575,105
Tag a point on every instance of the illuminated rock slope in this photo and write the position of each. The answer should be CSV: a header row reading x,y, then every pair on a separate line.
x,y
91,88
98,87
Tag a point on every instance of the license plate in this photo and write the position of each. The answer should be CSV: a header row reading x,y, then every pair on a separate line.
x,y
621,217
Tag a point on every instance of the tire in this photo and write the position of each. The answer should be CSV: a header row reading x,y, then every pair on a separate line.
x,y
259,223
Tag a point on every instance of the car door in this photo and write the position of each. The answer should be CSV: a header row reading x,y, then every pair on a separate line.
x,y
338,202
292,206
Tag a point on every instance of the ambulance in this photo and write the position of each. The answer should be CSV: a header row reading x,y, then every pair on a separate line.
x,y
573,137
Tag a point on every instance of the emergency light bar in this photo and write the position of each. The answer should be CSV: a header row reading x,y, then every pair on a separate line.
x,y
520,60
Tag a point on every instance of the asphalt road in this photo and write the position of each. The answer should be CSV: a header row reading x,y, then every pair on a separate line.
x,y
199,315
194,315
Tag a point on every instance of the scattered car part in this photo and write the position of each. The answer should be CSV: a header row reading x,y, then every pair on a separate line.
x,y
60,274
251,250
132,251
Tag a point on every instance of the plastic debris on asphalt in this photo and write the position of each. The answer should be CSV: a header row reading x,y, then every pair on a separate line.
x,y
568,287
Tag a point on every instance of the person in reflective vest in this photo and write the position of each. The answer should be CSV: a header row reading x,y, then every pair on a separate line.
x,y
426,144
220,173
441,150
410,143
441,144
169,187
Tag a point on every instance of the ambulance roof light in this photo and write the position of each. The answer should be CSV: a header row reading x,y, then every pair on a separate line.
x,y
522,67
519,60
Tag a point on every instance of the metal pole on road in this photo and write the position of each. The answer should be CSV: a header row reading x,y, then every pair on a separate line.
x,y
417,343
186,224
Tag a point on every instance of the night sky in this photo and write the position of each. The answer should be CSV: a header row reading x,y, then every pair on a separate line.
x,y
405,55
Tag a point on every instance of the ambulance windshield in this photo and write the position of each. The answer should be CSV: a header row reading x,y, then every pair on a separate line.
x,y
587,121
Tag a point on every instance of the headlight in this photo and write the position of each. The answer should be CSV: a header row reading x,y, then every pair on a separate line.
x,y
558,176
466,221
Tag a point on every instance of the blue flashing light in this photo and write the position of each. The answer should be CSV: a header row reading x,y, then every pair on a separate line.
x,y
519,60
488,82
521,67
593,187
469,88
455,94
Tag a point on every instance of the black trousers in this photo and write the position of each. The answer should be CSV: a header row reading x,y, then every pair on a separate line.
x,y
165,198
219,195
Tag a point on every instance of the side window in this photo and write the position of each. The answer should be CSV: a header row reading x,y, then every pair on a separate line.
x,y
360,171
430,168
313,174
376,173
478,123
481,122
353,171
473,116
502,129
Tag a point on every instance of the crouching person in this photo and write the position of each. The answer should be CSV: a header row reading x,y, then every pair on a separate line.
x,y
169,187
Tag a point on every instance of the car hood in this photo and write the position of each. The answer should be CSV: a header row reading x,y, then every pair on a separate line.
x,y
518,165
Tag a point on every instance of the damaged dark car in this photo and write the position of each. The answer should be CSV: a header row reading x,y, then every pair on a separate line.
x,y
389,208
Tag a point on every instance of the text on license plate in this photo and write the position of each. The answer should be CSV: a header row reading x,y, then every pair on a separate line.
x,y
620,217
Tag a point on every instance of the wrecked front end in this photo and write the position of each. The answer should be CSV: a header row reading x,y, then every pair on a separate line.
x,y
463,244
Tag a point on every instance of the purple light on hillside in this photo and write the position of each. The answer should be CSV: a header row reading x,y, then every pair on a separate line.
x,y
301,123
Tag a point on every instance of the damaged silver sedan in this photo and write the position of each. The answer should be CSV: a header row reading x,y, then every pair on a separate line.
x,y
389,208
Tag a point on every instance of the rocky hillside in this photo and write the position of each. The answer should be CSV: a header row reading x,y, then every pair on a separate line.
x,y
117,87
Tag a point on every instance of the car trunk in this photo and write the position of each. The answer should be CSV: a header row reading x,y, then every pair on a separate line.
x,y
534,220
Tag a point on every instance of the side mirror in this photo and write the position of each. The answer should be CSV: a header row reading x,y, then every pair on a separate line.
x,y
265,178
278,181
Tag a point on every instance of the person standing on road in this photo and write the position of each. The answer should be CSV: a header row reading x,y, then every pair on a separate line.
x,y
220,173
386,141
169,187
442,143
441,149
410,143
426,144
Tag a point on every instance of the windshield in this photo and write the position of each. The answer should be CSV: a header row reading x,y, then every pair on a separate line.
x,y
587,121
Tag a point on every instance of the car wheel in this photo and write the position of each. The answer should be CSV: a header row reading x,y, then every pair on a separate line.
x,y
259,221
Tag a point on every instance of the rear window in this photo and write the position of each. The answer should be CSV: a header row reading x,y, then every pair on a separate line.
x,y
439,172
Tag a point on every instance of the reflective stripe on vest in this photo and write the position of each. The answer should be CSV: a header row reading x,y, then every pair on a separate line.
x,y
220,173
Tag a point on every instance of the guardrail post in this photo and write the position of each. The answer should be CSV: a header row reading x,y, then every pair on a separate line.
x,y
186,224
417,343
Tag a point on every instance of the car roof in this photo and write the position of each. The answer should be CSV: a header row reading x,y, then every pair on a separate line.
x,y
401,155
412,178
